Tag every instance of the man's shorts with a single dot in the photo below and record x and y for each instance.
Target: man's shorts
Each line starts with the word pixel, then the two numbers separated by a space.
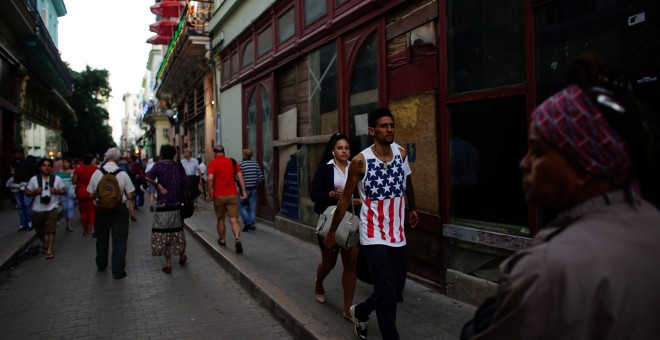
pixel 226 204
pixel 45 222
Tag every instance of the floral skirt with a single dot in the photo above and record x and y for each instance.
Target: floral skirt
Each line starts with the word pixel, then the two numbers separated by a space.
pixel 167 235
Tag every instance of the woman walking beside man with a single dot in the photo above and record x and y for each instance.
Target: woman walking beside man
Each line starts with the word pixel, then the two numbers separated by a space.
pixel 327 188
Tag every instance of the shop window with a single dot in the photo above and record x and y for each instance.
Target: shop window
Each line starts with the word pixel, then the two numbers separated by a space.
pixel 286 25
pixel 192 138
pixel 612 30
pixel 623 34
pixel 265 40
pixel 226 71
pixel 323 120
pixel 267 147
pixel 248 54
pixel 363 95
pixel 322 66
pixel 234 63
pixel 485 44
pixel 38 140
pixel 201 137
pixel 314 9
pixel 488 140
pixel 260 123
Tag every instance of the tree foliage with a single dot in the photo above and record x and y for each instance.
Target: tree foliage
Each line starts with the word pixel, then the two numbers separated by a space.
pixel 91 133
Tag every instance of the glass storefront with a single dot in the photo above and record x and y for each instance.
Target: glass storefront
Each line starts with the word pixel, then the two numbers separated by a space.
pixel 488 140
pixel 485 44
pixel 40 141
pixel 363 96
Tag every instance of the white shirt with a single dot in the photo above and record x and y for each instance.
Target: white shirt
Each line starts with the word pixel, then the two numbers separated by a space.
pixel 339 176
pixel 54 198
pixel 191 166
pixel 122 177
pixel 202 170
pixel 150 164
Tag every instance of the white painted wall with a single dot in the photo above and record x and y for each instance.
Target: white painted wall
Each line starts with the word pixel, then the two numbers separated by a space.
pixel 231 132
pixel 231 18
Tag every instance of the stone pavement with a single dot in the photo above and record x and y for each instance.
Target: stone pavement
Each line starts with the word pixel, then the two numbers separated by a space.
pixel 12 242
pixel 67 298
pixel 278 271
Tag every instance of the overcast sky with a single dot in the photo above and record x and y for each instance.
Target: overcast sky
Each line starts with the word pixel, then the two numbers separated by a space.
pixel 108 35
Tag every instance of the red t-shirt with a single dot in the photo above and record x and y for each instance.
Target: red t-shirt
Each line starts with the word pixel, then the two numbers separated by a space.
pixel 223 176
pixel 83 175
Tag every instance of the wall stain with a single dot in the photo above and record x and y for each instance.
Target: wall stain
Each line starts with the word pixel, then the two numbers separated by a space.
pixel 406 111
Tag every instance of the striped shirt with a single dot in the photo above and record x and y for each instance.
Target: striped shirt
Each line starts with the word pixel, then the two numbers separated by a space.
pixel 383 205
pixel 252 174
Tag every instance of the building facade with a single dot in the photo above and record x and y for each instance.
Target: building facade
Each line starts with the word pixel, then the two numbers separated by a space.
pixel 33 79
pixel 460 77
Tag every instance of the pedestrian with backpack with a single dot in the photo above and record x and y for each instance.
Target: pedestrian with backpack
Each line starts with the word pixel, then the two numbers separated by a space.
pixel 46 189
pixel 111 188
pixel 221 190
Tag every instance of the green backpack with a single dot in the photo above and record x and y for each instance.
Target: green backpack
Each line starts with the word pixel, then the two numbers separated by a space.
pixel 108 193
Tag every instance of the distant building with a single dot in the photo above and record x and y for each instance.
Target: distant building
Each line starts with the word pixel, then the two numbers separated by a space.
pixel 281 76
pixel 34 81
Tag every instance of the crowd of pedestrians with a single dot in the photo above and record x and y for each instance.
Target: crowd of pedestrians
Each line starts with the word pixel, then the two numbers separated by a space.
pixel 587 145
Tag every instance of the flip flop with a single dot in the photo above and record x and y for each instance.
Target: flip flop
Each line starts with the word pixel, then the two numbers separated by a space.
pixel 50 256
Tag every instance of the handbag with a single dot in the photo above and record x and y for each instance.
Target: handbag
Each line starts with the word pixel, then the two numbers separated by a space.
pixel 187 202
pixel 347 234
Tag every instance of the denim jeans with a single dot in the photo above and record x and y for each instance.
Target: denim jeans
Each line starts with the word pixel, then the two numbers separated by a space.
pixel 24 203
pixel 67 205
pixel 248 211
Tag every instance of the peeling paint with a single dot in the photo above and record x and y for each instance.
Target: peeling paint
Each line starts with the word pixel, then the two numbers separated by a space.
pixel 405 111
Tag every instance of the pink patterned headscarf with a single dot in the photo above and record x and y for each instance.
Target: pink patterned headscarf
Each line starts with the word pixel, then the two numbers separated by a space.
pixel 571 122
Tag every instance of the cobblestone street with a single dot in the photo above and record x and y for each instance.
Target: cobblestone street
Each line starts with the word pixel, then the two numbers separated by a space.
pixel 67 297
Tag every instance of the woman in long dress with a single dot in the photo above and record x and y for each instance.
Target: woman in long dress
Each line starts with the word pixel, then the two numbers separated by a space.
pixel 167 235
pixel 81 176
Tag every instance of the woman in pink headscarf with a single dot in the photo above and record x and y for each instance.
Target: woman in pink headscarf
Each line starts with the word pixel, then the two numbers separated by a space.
pixel 592 273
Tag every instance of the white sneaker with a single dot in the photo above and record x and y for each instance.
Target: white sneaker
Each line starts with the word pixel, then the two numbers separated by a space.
pixel 360 327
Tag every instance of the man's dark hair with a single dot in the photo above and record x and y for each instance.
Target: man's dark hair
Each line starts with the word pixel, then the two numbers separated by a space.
pixel 43 160
pixel 377 114
pixel 87 159
pixel 167 151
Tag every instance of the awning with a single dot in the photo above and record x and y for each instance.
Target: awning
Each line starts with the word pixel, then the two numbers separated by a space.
pixel 164 28
pixel 159 40
pixel 168 8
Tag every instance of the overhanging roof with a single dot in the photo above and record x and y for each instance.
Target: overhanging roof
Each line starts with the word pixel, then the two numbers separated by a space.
pixel 187 62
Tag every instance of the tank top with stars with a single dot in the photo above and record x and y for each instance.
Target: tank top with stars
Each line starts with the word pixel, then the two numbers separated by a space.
pixel 382 192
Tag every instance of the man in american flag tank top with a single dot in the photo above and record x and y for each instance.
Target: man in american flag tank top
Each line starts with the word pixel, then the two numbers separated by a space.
pixel 381 174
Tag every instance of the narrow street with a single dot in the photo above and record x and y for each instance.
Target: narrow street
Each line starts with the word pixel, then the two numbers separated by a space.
pixel 67 298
